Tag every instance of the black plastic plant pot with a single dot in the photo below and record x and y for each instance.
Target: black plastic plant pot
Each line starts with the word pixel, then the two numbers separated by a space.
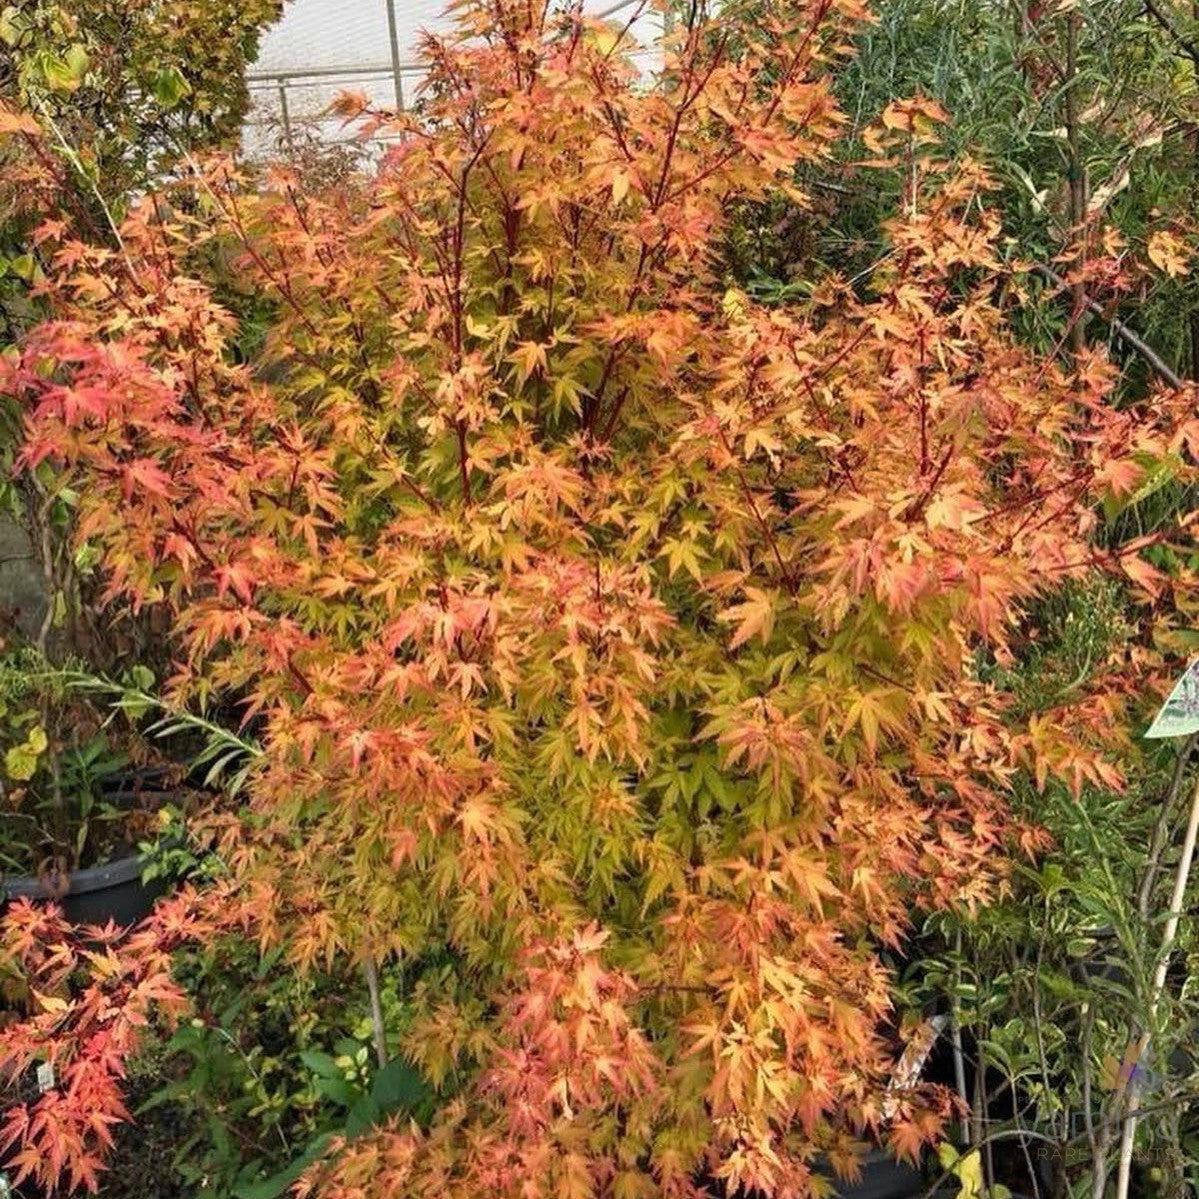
pixel 96 895
pixel 113 891
pixel 883 1178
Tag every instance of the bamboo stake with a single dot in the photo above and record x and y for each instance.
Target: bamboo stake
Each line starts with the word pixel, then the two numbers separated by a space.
pixel 1128 1136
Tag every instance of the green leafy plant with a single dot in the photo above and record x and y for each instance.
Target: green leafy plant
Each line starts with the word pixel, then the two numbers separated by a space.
pixel 124 90
pixel 61 758
pixel 1053 987
pixel 270 1070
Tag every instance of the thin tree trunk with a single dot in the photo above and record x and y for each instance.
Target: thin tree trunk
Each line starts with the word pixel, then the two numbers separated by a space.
pixel 371 970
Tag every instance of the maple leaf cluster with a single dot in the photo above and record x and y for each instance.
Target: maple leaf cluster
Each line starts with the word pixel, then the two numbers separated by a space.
pixel 618 644
pixel 91 992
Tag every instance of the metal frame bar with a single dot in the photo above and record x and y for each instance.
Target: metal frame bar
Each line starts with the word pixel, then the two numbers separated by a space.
pixel 397 70
pixel 272 77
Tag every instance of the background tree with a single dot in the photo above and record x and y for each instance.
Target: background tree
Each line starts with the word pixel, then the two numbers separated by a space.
pixel 1085 112
pixel 127 88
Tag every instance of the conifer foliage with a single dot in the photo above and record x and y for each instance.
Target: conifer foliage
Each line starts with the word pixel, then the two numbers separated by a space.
pixel 623 651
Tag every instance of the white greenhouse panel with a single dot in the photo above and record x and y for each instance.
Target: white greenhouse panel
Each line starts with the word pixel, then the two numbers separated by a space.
pixel 322 47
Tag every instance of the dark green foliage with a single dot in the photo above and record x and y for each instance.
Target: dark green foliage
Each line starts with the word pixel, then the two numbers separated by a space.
pixel 270 1069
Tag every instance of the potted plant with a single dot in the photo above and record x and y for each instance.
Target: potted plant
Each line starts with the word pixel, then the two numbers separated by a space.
pixel 882 1177
pixel 80 789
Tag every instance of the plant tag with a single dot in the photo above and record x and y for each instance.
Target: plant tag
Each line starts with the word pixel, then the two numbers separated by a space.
pixel 45 1077
pixel 1179 716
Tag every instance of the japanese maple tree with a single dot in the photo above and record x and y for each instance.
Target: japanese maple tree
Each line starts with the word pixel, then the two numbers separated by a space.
pixel 621 649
